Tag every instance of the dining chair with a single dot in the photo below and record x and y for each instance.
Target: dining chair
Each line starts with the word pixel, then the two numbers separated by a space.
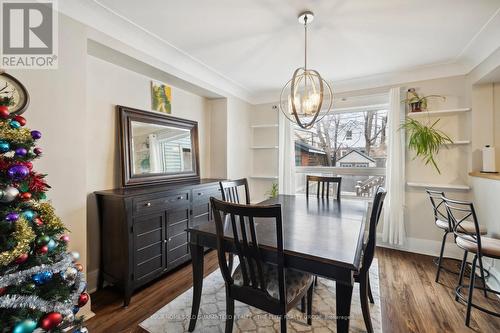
pixel 321 181
pixel 460 213
pixel 275 289
pixel 442 222
pixel 363 276
pixel 230 193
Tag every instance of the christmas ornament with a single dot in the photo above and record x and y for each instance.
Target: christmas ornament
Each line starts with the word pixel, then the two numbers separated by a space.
pixel 37 151
pixel 12 216
pixel 18 172
pixel 51 320
pixel 26 326
pixel 69 274
pixel 79 267
pixel 38 221
pixel 21 259
pixel 42 277
pixel 14 124
pixel 75 255
pixel 23 236
pixel 21 152
pixel 29 215
pixel 43 250
pixel 83 299
pixel 29 165
pixel 4 146
pixel 29 288
pixel 65 238
pixel 8 194
pixel 51 245
pixel 36 134
pixel 42 240
pixel 4 112
pixel 76 308
pixel 25 196
pixel 3 290
pixel 20 119
pixel 82 330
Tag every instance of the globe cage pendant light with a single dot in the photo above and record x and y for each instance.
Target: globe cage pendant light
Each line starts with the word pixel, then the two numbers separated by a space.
pixel 302 97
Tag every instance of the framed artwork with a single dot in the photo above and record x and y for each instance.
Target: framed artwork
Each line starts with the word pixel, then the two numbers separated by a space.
pixel 161 97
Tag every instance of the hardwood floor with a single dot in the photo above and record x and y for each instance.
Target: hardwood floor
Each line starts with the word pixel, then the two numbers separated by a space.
pixel 411 300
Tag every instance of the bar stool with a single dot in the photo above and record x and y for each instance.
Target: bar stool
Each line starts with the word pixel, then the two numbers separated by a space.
pixel 474 243
pixel 442 222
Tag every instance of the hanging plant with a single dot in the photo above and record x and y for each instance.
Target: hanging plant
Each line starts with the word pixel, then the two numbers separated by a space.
pixel 425 140
pixel 417 103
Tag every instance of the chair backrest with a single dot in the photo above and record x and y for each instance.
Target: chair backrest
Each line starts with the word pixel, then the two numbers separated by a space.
pixel 321 181
pixel 436 198
pixel 460 212
pixel 369 250
pixel 230 191
pixel 239 220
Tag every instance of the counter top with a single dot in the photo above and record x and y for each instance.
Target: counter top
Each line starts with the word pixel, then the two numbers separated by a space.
pixel 493 176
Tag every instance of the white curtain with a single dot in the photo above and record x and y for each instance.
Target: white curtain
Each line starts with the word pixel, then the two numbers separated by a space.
pixel 154 154
pixel 286 168
pixel 394 226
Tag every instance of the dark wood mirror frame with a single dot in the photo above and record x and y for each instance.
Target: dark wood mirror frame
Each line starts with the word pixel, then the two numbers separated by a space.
pixel 127 115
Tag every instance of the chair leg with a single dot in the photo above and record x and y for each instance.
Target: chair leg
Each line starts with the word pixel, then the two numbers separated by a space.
pixel 229 314
pixel 370 295
pixel 310 304
pixel 230 262
pixel 441 256
pixel 365 307
pixel 482 275
pixel 282 324
pixel 471 290
pixel 462 271
pixel 315 280
pixel 303 305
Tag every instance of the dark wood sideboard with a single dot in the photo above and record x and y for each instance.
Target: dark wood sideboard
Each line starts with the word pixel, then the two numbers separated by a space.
pixel 143 230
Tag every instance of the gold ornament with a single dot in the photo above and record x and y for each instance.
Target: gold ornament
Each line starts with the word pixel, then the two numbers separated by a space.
pixel 15 135
pixel 23 235
pixel 50 220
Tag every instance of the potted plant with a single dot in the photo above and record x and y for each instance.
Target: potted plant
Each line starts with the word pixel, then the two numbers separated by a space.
pixel 425 140
pixel 417 103
pixel 273 192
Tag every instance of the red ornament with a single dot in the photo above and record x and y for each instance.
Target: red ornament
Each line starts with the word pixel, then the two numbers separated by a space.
pixel 25 196
pixel 79 267
pixel 22 258
pixel 43 249
pixel 51 320
pixel 83 299
pixel 38 221
pixel 4 112
pixel 29 165
pixel 3 290
pixel 21 120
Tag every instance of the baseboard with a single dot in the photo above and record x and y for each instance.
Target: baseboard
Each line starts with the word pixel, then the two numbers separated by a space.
pixel 92 281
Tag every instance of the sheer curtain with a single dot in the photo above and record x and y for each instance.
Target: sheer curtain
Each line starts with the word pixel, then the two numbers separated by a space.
pixel 286 160
pixel 394 227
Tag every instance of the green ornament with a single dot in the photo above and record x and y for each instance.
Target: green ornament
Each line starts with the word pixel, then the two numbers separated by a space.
pixel 43 240
pixel 25 326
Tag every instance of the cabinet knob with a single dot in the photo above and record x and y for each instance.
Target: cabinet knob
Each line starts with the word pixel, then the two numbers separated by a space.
pixel 179 198
pixel 200 193
pixel 148 204
pixel 170 239
pixel 165 241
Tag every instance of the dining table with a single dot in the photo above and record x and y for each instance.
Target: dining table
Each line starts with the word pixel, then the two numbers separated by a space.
pixel 321 236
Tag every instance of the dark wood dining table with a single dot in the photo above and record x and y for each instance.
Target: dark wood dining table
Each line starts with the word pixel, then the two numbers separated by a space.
pixel 321 236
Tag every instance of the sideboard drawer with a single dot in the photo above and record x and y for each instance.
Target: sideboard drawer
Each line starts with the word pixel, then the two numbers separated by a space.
pixel 147 205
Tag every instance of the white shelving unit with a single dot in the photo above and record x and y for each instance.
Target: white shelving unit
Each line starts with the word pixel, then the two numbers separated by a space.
pixel 459 143
pixel 457 187
pixel 264 126
pixel 437 113
pixel 264 147
pixel 264 177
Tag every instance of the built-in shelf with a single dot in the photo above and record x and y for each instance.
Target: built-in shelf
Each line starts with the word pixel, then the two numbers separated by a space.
pixel 493 176
pixel 457 187
pixel 458 142
pixel 264 147
pixel 437 113
pixel 264 177
pixel 264 126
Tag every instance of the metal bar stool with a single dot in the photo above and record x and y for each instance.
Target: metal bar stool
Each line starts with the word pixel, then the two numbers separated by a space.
pixel 458 213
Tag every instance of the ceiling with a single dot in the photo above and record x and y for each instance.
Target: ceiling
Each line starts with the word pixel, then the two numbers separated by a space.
pixel 257 44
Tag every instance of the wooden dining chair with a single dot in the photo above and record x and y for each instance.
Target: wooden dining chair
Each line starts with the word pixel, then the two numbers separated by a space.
pixel 321 181
pixel 462 213
pixel 268 287
pixel 363 276
pixel 230 190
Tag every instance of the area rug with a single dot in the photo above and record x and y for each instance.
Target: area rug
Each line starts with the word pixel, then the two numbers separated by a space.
pixel 174 317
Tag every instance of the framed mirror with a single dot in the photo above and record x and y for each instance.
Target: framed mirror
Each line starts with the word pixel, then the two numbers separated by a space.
pixel 157 148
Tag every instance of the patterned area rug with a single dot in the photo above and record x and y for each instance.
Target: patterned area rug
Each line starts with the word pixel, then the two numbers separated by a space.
pixel 174 317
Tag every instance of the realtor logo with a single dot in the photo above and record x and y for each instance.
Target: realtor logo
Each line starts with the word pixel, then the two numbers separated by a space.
pixel 29 34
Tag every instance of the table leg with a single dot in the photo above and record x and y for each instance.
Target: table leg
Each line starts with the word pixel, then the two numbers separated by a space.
pixel 343 300
pixel 197 263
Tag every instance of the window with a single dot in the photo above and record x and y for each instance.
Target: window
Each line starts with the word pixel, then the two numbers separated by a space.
pixel 352 145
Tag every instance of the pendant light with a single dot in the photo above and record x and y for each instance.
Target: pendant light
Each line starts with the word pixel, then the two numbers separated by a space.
pixel 302 97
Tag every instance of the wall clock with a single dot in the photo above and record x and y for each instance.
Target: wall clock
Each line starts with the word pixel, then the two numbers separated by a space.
pixel 11 87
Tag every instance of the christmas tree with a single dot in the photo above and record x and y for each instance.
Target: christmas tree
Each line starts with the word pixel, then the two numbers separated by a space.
pixel 41 284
